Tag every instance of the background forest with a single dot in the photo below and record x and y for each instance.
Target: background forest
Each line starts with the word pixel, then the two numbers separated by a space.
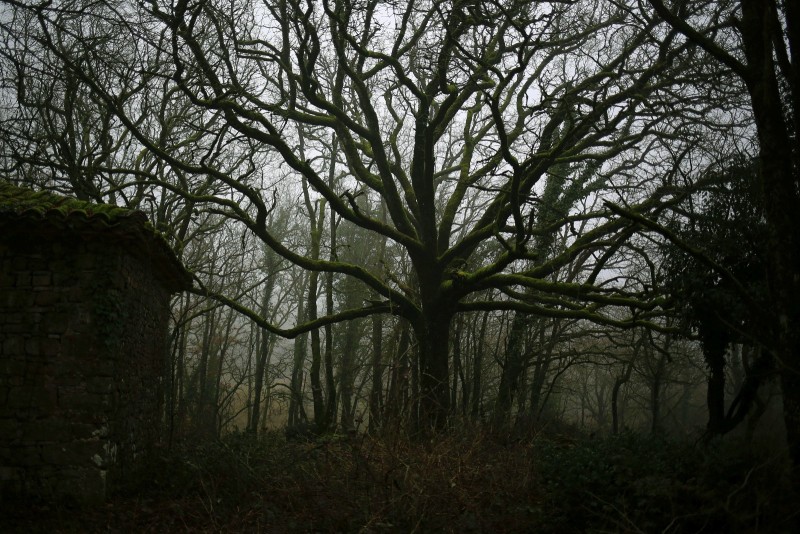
pixel 454 218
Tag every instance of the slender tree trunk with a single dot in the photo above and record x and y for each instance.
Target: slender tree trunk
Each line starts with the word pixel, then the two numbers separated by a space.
pixel 462 365
pixel 180 379
pixel 264 343
pixel 457 370
pixel 415 394
pixel 296 409
pixel 396 406
pixel 655 395
pixel 619 381
pixel 176 370
pixel 330 380
pixel 219 365
pixel 203 420
pixel 477 368
pixel 541 368
pixel 253 342
pixel 258 383
pixel 513 367
pixel 376 393
pixel 715 395
pixel 320 412
pixel 347 374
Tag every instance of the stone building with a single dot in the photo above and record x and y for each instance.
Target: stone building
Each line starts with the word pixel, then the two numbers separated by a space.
pixel 84 310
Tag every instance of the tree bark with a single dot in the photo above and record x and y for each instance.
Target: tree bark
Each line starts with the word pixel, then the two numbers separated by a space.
pixel 433 336
pixel 296 409
pixel 619 381
pixel 376 393
pixel 477 369
pixel 513 367
pixel 782 199
pixel 264 344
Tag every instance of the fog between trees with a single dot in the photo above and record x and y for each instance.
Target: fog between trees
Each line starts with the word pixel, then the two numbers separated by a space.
pixel 405 215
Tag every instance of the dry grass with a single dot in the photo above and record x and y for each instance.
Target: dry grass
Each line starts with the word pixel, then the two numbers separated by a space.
pixel 467 482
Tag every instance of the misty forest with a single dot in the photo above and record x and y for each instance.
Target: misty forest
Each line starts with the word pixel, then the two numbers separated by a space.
pixel 458 265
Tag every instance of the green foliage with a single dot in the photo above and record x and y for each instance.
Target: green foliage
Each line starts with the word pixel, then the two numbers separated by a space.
pixel 725 223
pixel 630 483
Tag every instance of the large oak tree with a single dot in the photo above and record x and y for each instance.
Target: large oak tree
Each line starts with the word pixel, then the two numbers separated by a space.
pixel 478 128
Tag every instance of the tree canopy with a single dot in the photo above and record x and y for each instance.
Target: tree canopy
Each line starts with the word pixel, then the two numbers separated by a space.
pixel 491 156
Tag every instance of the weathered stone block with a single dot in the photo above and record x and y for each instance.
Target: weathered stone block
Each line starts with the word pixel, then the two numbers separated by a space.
pixel 78 399
pixel 32 346
pixel 12 366
pixel 41 278
pixel 47 297
pixel 10 430
pixel 14 328
pixel 10 473
pixel 55 322
pixel 76 294
pixel 12 317
pixel 41 430
pixel 6 278
pixel 19 262
pixel 76 453
pixel 37 262
pixel 85 261
pixel 18 299
pixel 26 455
pixel 65 278
pixel 99 384
pixel 49 346
pixel 83 485
pixel 14 346
pixel 44 398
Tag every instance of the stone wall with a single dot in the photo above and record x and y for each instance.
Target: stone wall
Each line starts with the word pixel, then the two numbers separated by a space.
pixel 82 345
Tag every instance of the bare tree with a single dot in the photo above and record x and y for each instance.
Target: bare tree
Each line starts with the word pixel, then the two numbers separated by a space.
pixel 454 114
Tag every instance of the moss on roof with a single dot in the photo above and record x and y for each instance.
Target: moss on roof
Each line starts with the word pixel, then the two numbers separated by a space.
pixel 21 207
pixel 21 201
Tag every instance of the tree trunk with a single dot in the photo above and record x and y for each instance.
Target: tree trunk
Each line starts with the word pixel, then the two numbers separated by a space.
pixel 296 409
pixel 330 380
pixel 347 374
pixel 540 369
pixel 174 395
pixel 655 394
pixel 376 393
pixel 433 337
pixel 204 411
pixel 262 350
pixel 513 367
pixel 477 369
pixel 396 406
pixel 266 344
pixel 618 383
pixel 779 180
pixel 320 412
pixel 457 369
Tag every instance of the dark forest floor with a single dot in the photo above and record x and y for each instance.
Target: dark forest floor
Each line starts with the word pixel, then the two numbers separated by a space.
pixel 468 484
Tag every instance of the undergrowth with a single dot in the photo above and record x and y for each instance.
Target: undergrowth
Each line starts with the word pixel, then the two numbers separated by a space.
pixel 465 482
